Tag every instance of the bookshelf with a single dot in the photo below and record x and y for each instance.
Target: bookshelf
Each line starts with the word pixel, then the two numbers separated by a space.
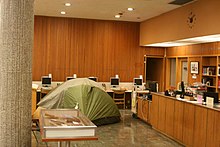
pixel 218 75
pixel 209 72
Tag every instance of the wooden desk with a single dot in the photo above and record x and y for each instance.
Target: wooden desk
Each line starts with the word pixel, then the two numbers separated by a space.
pixel 37 94
pixel 45 91
pixel 127 98
pixel 143 106
pixel 142 92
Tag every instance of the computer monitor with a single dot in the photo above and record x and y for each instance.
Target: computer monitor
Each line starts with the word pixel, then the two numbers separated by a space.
pixel 114 82
pixel 152 86
pixel 69 78
pixel 46 81
pixel 138 82
pixel 94 79
pixel 182 89
pixel 210 94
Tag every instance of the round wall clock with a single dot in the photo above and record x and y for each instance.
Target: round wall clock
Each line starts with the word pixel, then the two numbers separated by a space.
pixel 191 20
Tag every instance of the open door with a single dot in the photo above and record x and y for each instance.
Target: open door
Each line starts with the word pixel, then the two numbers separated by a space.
pixel 154 70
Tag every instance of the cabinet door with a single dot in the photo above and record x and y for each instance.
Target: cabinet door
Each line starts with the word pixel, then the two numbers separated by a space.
pixel 213 129
pixel 161 113
pixel 178 120
pixel 143 109
pixel 139 108
pixel 169 117
pixel 199 139
pixel 149 112
pixel 154 111
pixel 188 124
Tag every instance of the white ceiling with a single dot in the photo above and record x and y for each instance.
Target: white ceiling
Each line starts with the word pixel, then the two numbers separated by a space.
pixel 104 9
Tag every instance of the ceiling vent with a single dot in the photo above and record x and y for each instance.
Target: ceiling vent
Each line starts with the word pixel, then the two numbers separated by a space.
pixel 180 2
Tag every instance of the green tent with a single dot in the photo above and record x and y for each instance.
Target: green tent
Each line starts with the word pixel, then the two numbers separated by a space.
pixel 85 95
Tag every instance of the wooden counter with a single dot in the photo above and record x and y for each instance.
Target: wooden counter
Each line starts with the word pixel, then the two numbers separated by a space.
pixel 189 123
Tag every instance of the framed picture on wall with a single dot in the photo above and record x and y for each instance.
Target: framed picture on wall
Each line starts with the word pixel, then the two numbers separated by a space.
pixel 194 66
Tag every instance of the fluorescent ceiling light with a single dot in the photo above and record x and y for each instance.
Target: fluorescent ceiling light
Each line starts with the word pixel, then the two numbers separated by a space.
pixel 67 4
pixel 203 39
pixel 188 41
pixel 63 12
pixel 166 44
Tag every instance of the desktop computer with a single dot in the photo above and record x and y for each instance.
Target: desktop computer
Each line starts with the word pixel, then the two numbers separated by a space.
pixel 152 86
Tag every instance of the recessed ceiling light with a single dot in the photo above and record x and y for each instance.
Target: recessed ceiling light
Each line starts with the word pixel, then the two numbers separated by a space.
pixel 130 9
pixel 117 16
pixel 67 4
pixel 63 12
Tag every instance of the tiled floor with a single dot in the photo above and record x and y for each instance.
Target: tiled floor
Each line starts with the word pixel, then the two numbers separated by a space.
pixel 130 132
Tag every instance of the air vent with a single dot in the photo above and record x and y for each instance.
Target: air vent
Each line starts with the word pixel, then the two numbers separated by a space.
pixel 180 2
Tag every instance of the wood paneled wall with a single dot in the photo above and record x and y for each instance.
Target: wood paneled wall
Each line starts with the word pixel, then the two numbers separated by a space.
pixel 64 46
pixel 202 49
pixel 191 53
pixel 176 26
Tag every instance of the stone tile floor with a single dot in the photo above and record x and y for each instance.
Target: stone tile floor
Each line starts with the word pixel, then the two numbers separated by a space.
pixel 130 132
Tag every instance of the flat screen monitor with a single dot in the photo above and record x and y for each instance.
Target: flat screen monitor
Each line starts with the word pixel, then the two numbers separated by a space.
pixel 152 86
pixel 210 94
pixel 94 79
pixel 46 81
pixel 114 81
pixel 138 82
pixel 69 78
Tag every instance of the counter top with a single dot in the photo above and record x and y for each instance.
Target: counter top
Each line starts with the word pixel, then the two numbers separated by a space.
pixel 109 90
pixel 214 107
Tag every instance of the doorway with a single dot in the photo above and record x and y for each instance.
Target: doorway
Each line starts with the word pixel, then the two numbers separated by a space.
pixel 184 70
pixel 154 71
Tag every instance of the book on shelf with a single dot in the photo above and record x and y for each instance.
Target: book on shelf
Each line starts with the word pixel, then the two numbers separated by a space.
pixel 219 83
pixel 212 70
pixel 209 81
pixel 209 70
pixel 218 70
pixel 204 71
